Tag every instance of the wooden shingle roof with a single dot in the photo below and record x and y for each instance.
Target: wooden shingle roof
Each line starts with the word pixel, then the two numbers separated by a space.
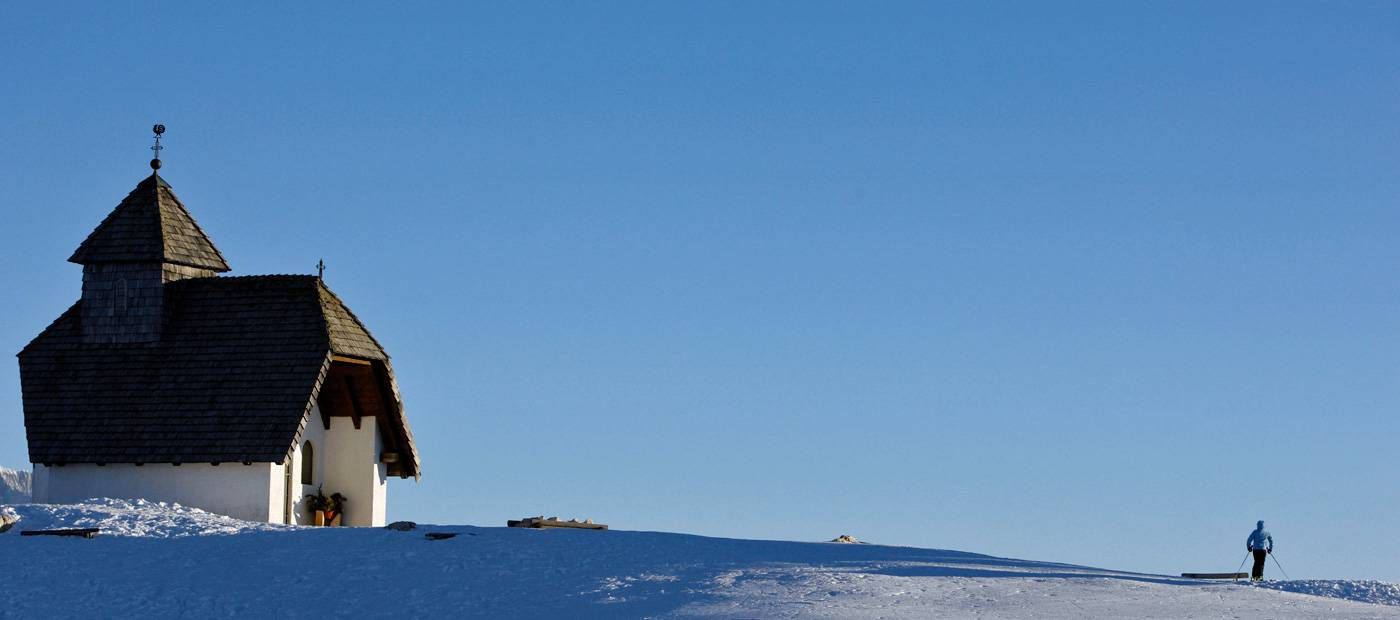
pixel 150 225
pixel 238 366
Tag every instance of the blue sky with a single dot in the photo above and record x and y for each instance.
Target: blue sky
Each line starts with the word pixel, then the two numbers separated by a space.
pixel 1099 284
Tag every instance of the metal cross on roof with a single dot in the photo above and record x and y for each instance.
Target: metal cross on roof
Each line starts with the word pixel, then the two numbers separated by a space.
pixel 320 268
pixel 155 161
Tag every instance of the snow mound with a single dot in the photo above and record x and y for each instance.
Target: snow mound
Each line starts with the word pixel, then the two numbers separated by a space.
pixel 135 517
pixel 15 486
pixel 1377 592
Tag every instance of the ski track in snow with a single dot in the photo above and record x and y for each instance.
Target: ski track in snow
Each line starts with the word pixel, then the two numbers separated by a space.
pixel 159 560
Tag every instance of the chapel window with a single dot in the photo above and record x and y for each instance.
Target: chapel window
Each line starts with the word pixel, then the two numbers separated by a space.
pixel 308 463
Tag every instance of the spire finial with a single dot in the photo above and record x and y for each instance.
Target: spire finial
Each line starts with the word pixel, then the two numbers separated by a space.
pixel 155 161
pixel 320 269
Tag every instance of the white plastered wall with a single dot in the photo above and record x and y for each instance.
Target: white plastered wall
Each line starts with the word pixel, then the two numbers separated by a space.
pixel 352 468
pixel 315 434
pixel 346 461
pixel 232 489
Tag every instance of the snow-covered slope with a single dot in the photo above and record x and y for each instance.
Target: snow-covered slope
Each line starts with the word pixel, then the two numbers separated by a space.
pixel 168 561
pixel 14 486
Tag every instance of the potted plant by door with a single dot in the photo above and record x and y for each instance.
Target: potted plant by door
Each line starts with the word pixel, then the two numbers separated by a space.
pixel 325 509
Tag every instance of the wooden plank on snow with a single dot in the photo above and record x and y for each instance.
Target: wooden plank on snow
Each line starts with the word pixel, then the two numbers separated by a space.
pixel 541 522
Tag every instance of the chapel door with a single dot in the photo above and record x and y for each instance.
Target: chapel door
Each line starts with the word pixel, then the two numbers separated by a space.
pixel 287 492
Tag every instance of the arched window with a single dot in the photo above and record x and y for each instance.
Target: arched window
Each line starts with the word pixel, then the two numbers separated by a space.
pixel 308 463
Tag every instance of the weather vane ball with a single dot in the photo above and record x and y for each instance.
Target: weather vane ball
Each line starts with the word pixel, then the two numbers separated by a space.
pixel 159 129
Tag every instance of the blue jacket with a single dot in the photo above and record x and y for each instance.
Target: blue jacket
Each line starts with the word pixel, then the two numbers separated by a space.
pixel 1260 539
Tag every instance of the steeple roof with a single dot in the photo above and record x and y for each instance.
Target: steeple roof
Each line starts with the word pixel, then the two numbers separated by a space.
pixel 150 225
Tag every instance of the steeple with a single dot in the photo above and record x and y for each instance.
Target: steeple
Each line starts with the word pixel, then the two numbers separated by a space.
pixel 151 225
pixel 148 240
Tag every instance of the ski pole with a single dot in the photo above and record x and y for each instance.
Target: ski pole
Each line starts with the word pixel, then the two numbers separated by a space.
pixel 1246 559
pixel 1280 567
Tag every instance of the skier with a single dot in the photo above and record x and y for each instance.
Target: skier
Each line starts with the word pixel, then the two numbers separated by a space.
pixel 1261 544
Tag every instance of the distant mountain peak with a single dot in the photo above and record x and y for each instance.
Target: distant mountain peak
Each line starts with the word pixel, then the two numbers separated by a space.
pixel 16 487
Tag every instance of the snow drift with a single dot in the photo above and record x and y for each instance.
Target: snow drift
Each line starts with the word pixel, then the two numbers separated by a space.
pixel 164 560
pixel 1366 591
pixel 15 486
pixel 135 518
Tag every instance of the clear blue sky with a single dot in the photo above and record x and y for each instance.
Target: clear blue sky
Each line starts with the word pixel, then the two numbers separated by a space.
pixel 1101 284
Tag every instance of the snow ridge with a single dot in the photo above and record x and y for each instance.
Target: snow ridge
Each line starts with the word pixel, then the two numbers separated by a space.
pixel 1378 592
pixel 15 486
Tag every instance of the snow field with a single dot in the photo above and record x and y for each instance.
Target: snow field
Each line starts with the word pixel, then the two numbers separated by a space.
pixel 165 561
